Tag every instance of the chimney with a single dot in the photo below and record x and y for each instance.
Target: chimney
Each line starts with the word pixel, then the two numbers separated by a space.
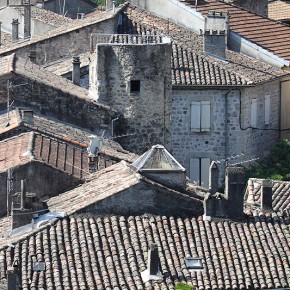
pixel 266 194
pixel 234 191
pixel 213 177
pixel 13 279
pixel 76 72
pixel 27 18
pixel 39 3
pixel 109 4
pixel 23 194
pixel 32 56
pixel 15 36
pixel 152 272
pixel 0 33
pixel 215 35
pixel 27 116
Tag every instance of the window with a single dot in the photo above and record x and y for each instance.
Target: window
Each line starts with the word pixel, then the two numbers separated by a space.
pixel 254 107
pixel 135 86
pixel 199 171
pixel 267 104
pixel 200 116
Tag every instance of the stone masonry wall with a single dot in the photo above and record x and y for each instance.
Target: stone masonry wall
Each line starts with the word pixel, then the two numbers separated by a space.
pixel 252 142
pixel 63 106
pixel 63 45
pixel 144 113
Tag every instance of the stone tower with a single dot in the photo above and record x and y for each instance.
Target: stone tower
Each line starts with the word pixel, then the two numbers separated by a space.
pixel 132 74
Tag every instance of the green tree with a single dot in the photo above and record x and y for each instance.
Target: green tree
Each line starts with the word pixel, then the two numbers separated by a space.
pixel 183 286
pixel 276 165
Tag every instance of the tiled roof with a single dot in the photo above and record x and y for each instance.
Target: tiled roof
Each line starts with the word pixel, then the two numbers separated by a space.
pixel 63 29
pixel 15 151
pixel 104 184
pixel 271 35
pixel 110 252
pixel 30 146
pixel 61 131
pixel 189 65
pixel 280 198
pixel 279 10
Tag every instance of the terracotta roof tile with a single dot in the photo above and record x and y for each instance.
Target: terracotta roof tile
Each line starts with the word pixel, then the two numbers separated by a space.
pixel 190 66
pixel 99 252
pixel 279 10
pixel 248 24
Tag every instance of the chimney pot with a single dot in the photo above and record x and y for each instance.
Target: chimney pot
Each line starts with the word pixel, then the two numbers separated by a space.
pixel 153 260
pixel 27 18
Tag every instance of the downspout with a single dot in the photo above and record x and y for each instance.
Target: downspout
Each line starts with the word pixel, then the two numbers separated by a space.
pixel 112 126
pixel 164 110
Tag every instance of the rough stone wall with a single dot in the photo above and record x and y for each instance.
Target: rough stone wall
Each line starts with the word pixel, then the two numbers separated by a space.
pixel 64 45
pixel 71 8
pixel 252 142
pixel 146 113
pixel 257 6
pixel 40 179
pixel 145 198
pixel 63 106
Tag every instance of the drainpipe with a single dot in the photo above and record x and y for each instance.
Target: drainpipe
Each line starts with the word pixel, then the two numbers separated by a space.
pixel 112 129
pixel 280 129
pixel 226 124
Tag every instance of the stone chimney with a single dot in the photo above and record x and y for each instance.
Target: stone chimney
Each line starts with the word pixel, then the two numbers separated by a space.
pixel 215 35
pixel 13 276
pixel 231 203
pixel 213 177
pixel 266 194
pixel 27 116
pixel 152 271
pixel 15 35
pixel 27 18
pixel 39 3
pixel 76 72
pixel 23 194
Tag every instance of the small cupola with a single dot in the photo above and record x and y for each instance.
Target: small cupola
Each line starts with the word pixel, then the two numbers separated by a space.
pixel 159 165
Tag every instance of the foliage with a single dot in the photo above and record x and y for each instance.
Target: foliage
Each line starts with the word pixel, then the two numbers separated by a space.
pixel 183 286
pixel 276 165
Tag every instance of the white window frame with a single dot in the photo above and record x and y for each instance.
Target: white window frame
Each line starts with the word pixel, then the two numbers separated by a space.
pixel 200 116
pixel 267 109
pixel 199 171
pixel 254 111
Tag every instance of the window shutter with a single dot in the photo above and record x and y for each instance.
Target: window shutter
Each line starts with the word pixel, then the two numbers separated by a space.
pixel 204 172
pixel 254 106
pixel 194 170
pixel 205 116
pixel 195 117
pixel 267 109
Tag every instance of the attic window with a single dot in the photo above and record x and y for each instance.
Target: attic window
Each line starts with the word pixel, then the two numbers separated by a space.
pixel 135 86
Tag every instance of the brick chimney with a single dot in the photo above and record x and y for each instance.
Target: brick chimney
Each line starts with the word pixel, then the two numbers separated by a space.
pixel 266 194
pixel 15 35
pixel 215 35
pixel 76 72
pixel 27 18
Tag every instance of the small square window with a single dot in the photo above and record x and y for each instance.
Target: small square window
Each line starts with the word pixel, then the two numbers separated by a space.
pixel 135 86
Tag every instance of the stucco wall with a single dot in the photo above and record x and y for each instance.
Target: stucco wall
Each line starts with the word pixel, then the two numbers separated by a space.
pixel 40 179
pixel 144 198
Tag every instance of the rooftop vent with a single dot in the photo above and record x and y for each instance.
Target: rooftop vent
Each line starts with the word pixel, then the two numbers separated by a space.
pixel 193 264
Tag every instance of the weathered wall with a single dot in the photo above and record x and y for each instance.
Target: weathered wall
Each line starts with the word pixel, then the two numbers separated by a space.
pixel 51 101
pixel 64 45
pixel 226 138
pixel 149 199
pixel 257 6
pixel 40 179
pixel 146 113
pixel 70 8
